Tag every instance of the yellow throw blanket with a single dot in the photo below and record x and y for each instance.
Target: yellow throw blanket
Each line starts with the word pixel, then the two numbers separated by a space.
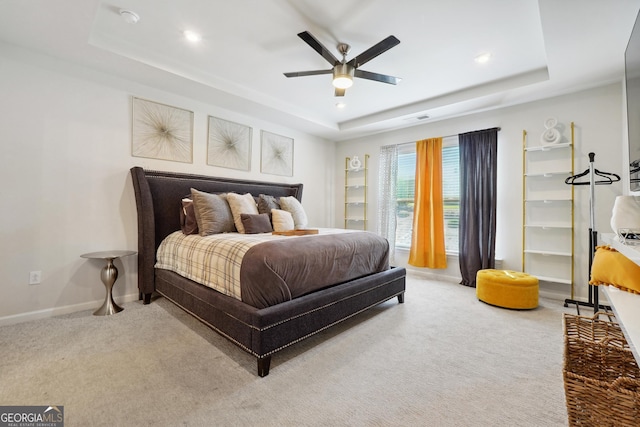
pixel 610 267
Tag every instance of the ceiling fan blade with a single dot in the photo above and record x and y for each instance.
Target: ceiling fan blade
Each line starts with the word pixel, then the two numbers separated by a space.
pixel 307 73
pixel 318 47
pixel 339 92
pixel 374 51
pixel 377 77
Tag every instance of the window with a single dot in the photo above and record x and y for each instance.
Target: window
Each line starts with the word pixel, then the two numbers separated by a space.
pixel 450 190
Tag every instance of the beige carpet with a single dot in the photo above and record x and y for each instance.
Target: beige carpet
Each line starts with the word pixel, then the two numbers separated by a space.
pixel 441 359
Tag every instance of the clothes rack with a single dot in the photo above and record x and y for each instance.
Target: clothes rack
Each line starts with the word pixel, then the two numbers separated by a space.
pixel 603 178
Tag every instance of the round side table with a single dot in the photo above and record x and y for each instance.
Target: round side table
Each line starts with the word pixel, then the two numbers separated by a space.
pixel 109 275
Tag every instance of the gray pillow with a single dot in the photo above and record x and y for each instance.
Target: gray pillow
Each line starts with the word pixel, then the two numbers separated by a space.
pixel 266 203
pixel 213 214
pixel 256 223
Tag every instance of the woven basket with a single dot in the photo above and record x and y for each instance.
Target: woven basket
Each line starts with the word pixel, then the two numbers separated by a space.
pixel 601 375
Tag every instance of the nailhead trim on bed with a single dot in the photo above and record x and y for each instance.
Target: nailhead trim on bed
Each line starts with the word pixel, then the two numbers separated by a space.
pixel 248 350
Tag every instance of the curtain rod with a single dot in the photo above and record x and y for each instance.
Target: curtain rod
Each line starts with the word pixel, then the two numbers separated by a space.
pixel 451 136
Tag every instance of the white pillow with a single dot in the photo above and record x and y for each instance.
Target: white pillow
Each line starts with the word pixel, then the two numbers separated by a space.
pixel 281 220
pixel 241 204
pixel 294 207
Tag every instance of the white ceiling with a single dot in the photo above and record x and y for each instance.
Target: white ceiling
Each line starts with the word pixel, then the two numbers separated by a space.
pixel 539 49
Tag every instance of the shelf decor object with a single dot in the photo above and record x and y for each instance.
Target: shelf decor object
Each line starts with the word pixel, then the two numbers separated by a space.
pixel 355 192
pixel 355 163
pixel 229 144
pixel 548 210
pixel 276 154
pixel 161 131
pixel 551 135
pixel 629 236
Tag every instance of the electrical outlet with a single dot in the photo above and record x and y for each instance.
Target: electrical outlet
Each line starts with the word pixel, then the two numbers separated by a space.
pixel 35 277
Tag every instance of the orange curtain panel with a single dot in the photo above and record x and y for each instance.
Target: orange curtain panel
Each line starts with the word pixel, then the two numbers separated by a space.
pixel 427 239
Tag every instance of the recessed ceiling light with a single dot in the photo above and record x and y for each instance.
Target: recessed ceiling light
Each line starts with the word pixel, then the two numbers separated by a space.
pixel 192 36
pixel 483 58
pixel 341 105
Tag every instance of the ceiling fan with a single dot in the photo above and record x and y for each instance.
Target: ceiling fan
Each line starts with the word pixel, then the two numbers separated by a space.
pixel 343 71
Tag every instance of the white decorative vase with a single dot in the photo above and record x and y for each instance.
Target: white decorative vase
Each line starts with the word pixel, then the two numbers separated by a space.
pixel 355 163
pixel 625 214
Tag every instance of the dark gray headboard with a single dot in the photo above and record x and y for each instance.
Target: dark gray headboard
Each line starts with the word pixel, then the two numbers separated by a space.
pixel 158 201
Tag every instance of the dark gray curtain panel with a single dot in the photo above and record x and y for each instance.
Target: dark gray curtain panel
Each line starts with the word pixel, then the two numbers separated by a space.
pixel 478 186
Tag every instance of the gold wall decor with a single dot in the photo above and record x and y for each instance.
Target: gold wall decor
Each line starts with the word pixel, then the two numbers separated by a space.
pixel 161 131
pixel 276 154
pixel 229 144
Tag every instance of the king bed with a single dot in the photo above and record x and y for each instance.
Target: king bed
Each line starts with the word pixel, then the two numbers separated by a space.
pixel 276 304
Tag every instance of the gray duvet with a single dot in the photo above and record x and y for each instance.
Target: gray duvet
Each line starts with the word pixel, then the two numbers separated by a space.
pixel 277 271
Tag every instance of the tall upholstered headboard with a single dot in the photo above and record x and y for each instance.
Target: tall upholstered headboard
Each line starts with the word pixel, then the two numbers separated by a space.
pixel 158 201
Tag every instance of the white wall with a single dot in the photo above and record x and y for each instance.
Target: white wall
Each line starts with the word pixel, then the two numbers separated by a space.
pixel 66 188
pixel 597 114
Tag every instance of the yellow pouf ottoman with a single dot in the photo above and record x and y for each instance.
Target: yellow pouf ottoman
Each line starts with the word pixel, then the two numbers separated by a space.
pixel 508 289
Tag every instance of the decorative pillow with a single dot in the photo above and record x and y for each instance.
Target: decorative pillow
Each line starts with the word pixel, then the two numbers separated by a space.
pixel 212 213
pixel 294 207
pixel 282 220
pixel 254 224
pixel 188 222
pixel 241 204
pixel 610 267
pixel 266 203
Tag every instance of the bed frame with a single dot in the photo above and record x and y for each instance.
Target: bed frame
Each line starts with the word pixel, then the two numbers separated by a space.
pixel 261 332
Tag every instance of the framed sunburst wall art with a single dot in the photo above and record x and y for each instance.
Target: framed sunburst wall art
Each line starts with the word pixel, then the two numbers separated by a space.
pixel 161 131
pixel 276 154
pixel 229 144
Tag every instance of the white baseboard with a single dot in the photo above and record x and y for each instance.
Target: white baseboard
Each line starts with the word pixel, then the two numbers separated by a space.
pixel 449 275
pixel 58 311
pixel 552 295
pixel 432 275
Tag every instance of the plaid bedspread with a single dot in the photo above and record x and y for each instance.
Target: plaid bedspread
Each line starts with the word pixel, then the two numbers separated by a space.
pixel 264 269
pixel 212 261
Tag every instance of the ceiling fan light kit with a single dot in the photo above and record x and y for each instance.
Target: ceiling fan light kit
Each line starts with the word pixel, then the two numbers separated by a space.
pixel 343 71
pixel 343 76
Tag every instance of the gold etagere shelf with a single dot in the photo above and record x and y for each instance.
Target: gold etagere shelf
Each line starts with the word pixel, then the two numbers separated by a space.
pixel 355 192
pixel 548 211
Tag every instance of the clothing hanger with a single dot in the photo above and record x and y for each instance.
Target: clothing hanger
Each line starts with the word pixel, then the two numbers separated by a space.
pixel 608 177
pixel 572 178
pixel 613 177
